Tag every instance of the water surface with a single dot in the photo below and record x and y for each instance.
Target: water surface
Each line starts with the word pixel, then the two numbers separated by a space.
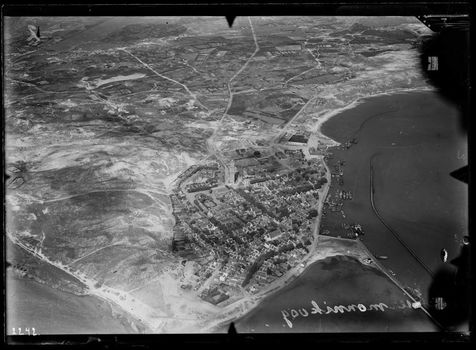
pixel 415 141
pixel 50 311
pixel 331 282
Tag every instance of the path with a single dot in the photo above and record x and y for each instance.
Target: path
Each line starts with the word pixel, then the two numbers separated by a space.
pixel 93 252
pixel 165 77
pixel 285 126
pixel 230 93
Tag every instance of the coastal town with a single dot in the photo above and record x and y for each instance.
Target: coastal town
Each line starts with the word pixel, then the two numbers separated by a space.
pixel 247 220
pixel 176 168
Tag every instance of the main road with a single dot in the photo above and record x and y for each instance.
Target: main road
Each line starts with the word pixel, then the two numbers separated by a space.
pixel 211 139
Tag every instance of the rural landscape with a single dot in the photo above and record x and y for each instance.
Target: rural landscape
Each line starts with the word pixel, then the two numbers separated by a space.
pixel 173 173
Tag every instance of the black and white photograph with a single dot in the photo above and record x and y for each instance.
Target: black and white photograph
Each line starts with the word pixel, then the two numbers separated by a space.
pixel 273 174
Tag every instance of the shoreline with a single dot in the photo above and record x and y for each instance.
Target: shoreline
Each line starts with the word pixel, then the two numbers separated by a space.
pixel 17 284
pixel 328 114
pixel 248 304
pixel 357 253
pixel 291 275
pixel 312 257
pixel 252 304
pixel 117 299
pixel 403 281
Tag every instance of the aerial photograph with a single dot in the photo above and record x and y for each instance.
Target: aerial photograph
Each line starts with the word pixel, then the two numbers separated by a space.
pixel 181 175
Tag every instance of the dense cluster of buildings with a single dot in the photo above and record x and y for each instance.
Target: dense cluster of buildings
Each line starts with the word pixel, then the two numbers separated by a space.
pixel 253 229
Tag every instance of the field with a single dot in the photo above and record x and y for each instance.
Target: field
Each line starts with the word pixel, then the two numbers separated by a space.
pixel 103 114
pixel 274 106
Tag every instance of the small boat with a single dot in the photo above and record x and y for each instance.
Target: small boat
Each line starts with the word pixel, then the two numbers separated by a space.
pixel 416 305
pixel 466 240
pixel 382 257
pixel 444 255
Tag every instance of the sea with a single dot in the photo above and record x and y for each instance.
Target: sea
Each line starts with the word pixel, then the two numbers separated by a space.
pixel 415 140
pixel 341 282
pixel 32 305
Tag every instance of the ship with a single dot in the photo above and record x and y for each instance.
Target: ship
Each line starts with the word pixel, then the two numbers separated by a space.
pixel 357 229
pixel 444 255
pixel 382 257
